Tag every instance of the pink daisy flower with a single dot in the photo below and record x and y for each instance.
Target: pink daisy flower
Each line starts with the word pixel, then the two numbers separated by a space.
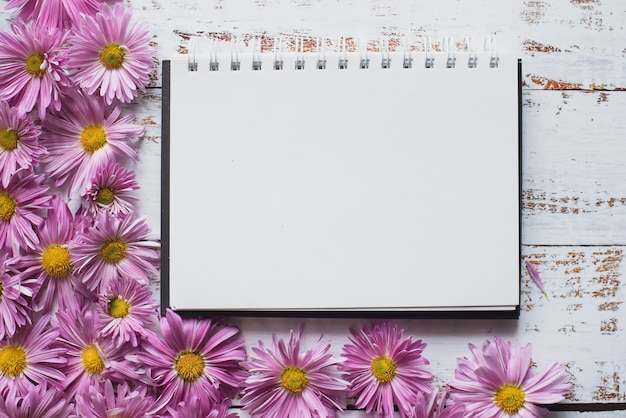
pixel 111 190
pixel 285 382
pixel 50 262
pixel 434 405
pixel 126 309
pixel 28 359
pixel 33 67
pixel 38 402
pixel 19 147
pixel 21 203
pixel 199 408
pixel 498 382
pixel 91 358
pixel 84 137
pixel 194 358
pixel 55 13
pixel 118 401
pixel 112 248
pixel 14 297
pixel 111 54
pixel 384 369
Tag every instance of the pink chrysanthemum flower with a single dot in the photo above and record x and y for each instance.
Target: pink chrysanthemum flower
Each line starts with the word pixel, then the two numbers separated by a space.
pixel 39 402
pixel 384 369
pixel 126 310
pixel 118 401
pixel 198 358
pixel 112 248
pixel 111 190
pixel 91 358
pixel 55 13
pixel 14 298
pixel 200 408
pixel 50 262
pixel 112 54
pixel 21 204
pixel 28 359
pixel 19 143
pixel 84 137
pixel 498 382
pixel 285 382
pixel 33 67
pixel 434 405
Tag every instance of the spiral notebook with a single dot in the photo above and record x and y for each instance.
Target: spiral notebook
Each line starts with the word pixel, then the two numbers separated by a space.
pixel 341 183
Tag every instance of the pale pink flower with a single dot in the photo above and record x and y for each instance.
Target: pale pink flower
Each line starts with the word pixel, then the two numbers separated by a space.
pixel 40 401
pixel 111 55
pixel 111 190
pixel 112 401
pixel 33 70
pixel 15 296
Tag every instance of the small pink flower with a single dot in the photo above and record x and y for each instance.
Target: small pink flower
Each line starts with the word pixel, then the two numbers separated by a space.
pixel 111 55
pixel 33 70
pixel 287 382
pixel 499 382
pixel 19 143
pixel 111 190
pixel 384 369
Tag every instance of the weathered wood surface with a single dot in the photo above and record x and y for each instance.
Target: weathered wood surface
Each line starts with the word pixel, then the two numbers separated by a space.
pixel 574 195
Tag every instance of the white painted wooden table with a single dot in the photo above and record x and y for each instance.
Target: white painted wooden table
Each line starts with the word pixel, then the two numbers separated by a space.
pixel 574 168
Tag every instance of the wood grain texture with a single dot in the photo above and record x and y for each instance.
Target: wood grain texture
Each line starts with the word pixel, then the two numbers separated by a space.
pixel 574 196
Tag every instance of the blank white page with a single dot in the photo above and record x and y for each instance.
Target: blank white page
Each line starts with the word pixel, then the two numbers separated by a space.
pixel 344 189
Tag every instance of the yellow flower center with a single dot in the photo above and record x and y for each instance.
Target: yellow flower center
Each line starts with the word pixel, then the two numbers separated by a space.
pixel 7 207
pixel 189 365
pixel 55 260
pixel 294 379
pixel 92 363
pixel 105 196
pixel 12 360
pixel 119 308
pixel 112 56
pixel 510 398
pixel 33 64
pixel 113 250
pixel 8 139
pixel 92 138
pixel 383 369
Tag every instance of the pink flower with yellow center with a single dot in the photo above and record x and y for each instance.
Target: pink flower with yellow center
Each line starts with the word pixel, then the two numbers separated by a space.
pixel 111 55
pixel 33 70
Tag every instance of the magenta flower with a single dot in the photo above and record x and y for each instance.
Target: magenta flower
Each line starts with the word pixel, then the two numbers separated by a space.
pixel 125 311
pixel 84 137
pixel 55 13
pixel 285 382
pixel 39 402
pixel 434 405
pixel 118 401
pixel 113 248
pixel 50 262
pixel 28 359
pixel 91 358
pixel 200 408
pixel 19 147
pixel 194 358
pixel 111 55
pixel 384 369
pixel 498 382
pixel 33 67
pixel 14 297
pixel 111 190
pixel 21 202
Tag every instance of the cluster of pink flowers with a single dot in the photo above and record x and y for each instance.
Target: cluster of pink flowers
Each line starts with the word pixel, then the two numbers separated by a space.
pixel 80 333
